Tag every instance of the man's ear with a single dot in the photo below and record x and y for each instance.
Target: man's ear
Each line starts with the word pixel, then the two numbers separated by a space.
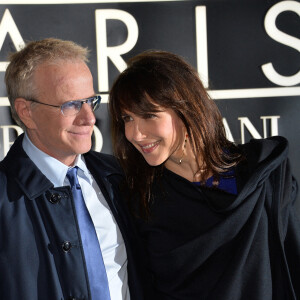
pixel 24 112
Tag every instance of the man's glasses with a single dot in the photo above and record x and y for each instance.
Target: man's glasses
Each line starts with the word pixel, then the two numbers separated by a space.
pixel 71 108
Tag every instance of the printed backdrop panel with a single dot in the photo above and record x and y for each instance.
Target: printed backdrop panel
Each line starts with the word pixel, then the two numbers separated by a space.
pixel 246 52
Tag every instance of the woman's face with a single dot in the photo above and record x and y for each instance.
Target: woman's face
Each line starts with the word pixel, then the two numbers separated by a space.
pixel 157 136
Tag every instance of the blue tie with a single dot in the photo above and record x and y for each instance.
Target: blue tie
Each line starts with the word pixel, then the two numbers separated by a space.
pixel 92 252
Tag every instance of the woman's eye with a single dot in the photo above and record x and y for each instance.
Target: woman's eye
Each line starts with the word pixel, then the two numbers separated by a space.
pixel 149 116
pixel 126 118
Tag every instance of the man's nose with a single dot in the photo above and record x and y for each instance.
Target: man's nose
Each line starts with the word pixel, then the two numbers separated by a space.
pixel 86 115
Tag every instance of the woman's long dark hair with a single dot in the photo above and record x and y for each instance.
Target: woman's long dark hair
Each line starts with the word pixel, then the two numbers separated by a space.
pixel 169 82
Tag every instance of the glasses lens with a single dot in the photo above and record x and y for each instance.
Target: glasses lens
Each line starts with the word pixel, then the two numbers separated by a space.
pixel 96 102
pixel 71 108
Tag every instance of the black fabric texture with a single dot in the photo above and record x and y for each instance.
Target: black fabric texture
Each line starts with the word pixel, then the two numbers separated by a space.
pixel 206 244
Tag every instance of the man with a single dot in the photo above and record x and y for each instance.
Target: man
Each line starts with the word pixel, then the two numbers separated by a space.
pixel 44 248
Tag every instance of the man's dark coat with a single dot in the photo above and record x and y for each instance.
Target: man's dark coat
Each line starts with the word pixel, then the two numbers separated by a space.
pixel 41 256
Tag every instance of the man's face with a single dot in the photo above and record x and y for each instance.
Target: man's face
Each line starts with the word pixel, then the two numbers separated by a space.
pixel 62 137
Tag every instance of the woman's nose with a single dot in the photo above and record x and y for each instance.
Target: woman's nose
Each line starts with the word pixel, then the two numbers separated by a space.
pixel 136 131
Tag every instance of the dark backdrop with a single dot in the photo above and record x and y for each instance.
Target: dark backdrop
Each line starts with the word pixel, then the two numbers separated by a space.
pixel 227 41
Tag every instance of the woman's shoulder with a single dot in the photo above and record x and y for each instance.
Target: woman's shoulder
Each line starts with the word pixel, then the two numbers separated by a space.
pixel 261 156
pixel 260 150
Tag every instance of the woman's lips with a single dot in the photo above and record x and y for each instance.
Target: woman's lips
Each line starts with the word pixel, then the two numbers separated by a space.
pixel 148 148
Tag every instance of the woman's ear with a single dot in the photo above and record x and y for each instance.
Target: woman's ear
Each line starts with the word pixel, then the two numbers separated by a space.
pixel 23 109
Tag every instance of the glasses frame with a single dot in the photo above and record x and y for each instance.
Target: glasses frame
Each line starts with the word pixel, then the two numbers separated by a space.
pixel 92 102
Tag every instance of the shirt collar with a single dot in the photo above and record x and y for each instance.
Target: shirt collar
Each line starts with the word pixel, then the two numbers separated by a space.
pixel 83 170
pixel 52 168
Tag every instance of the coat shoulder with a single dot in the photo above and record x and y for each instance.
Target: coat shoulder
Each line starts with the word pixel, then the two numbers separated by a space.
pixel 106 162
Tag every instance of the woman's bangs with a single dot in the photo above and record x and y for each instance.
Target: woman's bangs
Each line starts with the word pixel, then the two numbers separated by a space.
pixel 139 95
pixel 138 103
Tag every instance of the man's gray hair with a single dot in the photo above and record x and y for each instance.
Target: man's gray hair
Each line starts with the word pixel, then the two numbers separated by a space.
pixel 19 73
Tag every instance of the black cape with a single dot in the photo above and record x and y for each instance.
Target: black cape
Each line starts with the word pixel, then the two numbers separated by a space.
pixel 203 244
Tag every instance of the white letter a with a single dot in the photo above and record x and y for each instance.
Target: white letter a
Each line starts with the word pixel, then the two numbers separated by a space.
pixel 8 25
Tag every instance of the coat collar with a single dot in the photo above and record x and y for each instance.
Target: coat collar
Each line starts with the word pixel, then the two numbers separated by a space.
pixel 103 165
pixel 20 168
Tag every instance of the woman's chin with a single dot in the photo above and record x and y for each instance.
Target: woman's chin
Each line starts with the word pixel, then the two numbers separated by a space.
pixel 154 162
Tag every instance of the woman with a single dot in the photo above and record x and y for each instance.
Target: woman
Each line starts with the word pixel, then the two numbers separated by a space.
pixel 217 220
